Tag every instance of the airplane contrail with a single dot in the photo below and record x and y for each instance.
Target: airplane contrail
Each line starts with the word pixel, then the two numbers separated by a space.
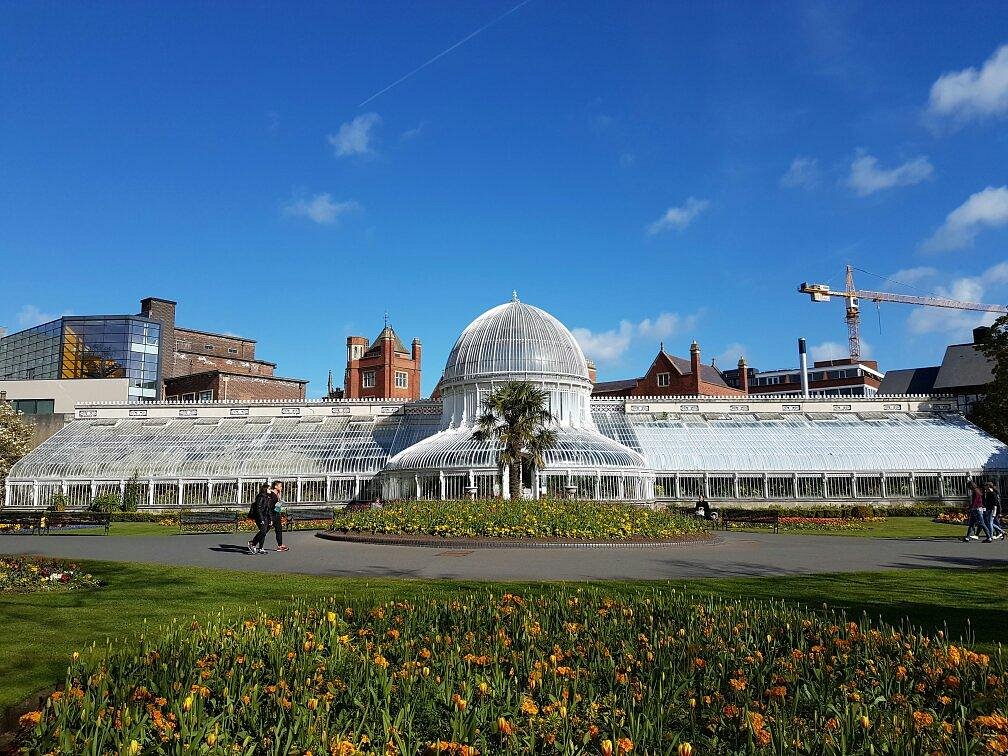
pixel 444 52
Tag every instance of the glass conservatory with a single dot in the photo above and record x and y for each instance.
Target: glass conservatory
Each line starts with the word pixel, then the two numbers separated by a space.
pixel 644 449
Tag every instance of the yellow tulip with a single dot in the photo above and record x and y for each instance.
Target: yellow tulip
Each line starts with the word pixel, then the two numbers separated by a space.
pixel 606 746
pixel 331 617
pixel 187 703
pixel 685 749
pixel 134 748
pixel 211 739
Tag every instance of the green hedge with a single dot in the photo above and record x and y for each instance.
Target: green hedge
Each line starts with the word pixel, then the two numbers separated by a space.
pixel 917 509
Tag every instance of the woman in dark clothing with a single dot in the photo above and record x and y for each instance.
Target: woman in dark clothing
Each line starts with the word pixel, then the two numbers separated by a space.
pixel 263 508
pixel 278 508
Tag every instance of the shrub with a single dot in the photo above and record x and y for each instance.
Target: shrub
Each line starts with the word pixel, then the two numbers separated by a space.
pixel 106 503
pixel 132 493
pixel 59 502
pixel 565 671
pixel 518 519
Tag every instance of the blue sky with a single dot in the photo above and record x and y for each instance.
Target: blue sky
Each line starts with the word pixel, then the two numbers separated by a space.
pixel 644 171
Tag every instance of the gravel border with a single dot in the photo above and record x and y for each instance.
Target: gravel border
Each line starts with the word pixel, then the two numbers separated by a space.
pixel 494 543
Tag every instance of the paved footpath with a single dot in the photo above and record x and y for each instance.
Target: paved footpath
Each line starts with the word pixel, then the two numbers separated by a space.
pixel 735 555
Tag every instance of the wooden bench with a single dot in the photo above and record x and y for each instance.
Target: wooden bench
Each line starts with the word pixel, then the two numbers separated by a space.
pixel 308 514
pixel 78 519
pixel 23 519
pixel 771 519
pixel 220 517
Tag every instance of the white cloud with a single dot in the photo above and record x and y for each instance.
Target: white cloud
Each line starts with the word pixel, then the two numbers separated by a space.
pixel 414 132
pixel 604 346
pixel 728 359
pixel 912 275
pixel 988 208
pixel 867 178
pixel 609 346
pixel 354 137
pixel 829 350
pixel 959 324
pixel 679 217
pixel 803 174
pixel 30 315
pixel 834 350
pixel 321 209
pixel 971 94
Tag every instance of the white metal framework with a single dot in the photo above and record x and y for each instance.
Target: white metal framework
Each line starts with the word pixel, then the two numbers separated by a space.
pixel 640 449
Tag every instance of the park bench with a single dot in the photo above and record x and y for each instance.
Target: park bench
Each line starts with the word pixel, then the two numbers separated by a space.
pixel 308 514
pixel 77 519
pixel 199 519
pixel 23 519
pixel 770 519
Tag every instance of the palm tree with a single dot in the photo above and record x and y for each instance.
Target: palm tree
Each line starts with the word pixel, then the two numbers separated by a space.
pixel 516 416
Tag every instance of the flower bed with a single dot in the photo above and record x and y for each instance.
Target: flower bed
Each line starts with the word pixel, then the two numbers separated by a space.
pixel 957 517
pixel 524 519
pixel 19 574
pixel 570 671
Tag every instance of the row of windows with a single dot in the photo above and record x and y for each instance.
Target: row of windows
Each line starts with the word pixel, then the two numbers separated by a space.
pixel 814 375
pixel 201 396
pixel 368 379
pixel 33 406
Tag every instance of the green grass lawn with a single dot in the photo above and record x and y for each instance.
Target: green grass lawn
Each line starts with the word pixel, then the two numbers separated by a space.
pixel 41 630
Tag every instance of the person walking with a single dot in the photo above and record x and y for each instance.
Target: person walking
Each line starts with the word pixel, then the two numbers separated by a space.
pixel 262 512
pixel 992 502
pixel 278 509
pixel 977 515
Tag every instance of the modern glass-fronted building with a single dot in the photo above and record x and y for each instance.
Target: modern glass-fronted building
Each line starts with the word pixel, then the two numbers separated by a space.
pixel 883 449
pixel 74 347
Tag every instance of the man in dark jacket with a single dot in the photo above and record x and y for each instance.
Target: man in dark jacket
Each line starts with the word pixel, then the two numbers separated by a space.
pixel 992 502
pixel 263 509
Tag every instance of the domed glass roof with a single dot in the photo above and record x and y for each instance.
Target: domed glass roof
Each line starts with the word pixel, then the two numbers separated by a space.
pixel 515 340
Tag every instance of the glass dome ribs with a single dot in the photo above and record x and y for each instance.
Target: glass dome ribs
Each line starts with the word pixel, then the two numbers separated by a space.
pixel 515 340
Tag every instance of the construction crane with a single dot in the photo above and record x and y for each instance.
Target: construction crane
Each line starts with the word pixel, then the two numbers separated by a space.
pixel 853 295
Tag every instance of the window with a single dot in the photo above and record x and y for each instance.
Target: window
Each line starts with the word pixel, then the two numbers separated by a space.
pixel 663 379
pixel 33 406
pixel 401 379
pixel 208 347
pixel 206 396
pixel 367 379
pixel 232 350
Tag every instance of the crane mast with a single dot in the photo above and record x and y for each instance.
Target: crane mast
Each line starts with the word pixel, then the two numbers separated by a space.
pixel 852 296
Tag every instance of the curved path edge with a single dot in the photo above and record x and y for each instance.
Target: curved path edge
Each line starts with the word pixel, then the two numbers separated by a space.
pixel 435 542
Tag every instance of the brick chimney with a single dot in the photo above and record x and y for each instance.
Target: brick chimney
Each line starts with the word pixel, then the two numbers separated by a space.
pixel 743 375
pixel 694 358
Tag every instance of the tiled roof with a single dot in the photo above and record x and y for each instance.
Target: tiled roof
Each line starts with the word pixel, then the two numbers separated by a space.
pixel 386 333
pixel 612 387
pixel 910 381
pixel 964 365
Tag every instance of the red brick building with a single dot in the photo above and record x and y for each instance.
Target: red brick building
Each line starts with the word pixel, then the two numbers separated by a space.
pixel 205 366
pixel 673 376
pixel 383 370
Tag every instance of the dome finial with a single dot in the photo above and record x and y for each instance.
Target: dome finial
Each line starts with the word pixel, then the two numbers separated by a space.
pixel 514 295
